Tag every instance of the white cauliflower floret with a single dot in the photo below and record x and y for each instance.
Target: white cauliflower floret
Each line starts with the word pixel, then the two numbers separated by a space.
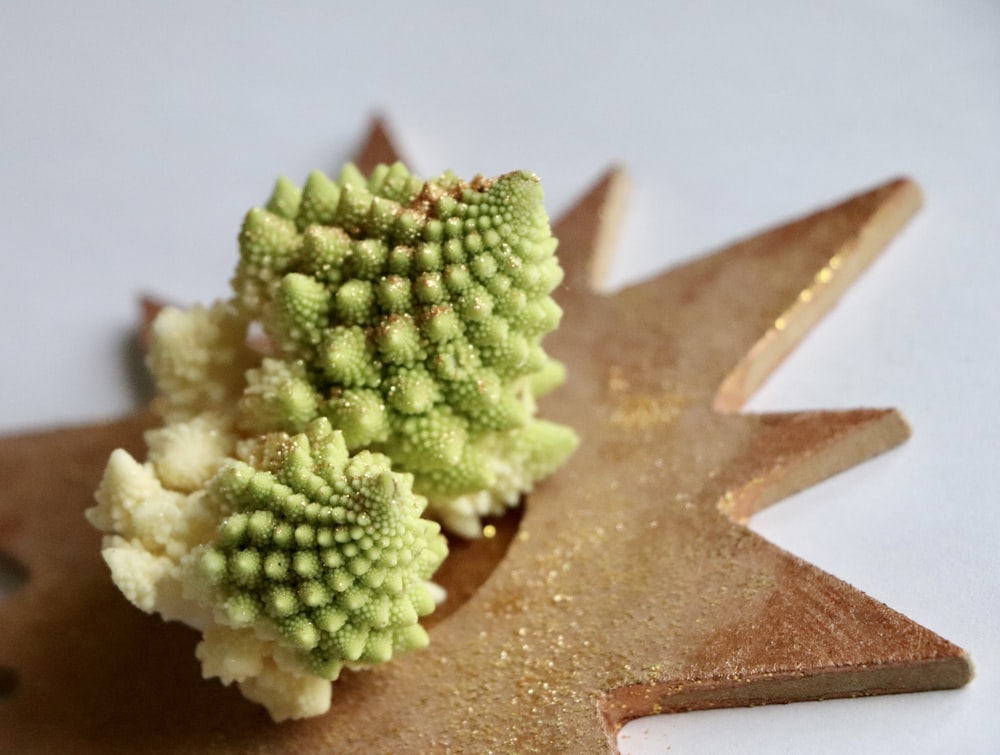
pixel 186 454
pixel 262 672
pixel 152 582
pixel 230 654
pixel 137 572
pixel 288 695
pixel 132 502
pixel 125 483
pixel 198 357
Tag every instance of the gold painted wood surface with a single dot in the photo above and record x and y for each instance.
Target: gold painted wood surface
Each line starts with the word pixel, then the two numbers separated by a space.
pixel 631 586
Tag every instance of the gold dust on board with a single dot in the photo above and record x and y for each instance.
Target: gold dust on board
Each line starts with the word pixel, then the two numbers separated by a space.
pixel 645 410
pixel 617 382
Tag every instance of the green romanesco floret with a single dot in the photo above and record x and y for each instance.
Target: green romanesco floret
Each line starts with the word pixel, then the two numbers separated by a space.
pixel 293 561
pixel 324 552
pixel 415 311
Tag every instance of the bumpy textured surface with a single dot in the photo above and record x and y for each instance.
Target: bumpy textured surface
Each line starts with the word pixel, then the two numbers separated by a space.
pixel 406 314
pixel 293 560
pixel 327 550
pixel 411 314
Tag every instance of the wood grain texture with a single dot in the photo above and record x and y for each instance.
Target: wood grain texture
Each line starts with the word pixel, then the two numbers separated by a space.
pixel 630 586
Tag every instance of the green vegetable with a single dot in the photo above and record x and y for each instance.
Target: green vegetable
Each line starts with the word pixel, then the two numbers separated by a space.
pixel 280 508
pixel 327 551
pixel 416 313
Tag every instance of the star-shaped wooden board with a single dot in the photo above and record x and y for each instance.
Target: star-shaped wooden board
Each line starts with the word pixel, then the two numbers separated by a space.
pixel 630 586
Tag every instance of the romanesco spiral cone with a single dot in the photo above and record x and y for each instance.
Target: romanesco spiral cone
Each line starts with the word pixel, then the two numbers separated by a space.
pixel 416 312
pixel 325 551
pixel 291 556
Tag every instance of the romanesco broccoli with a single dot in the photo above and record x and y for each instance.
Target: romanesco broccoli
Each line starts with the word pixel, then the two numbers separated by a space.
pixel 327 553
pixel 294 561
pixel 280 508
pixel 415 311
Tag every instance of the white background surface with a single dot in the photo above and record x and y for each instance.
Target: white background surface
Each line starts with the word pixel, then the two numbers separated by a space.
pixel 133 137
